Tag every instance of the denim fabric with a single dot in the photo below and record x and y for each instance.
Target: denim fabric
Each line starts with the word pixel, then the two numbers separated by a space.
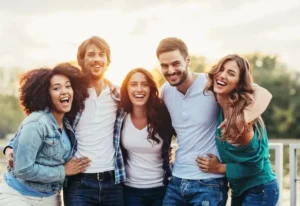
pixel 39 152
pixel 80 191
pixel 144 196
pixel 266 194
pixel 207 192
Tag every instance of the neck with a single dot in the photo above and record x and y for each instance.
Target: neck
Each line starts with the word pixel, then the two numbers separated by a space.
pixel 223 101
pixel 184 86
pixel 99 85
pixel 139 112
pixel 59 118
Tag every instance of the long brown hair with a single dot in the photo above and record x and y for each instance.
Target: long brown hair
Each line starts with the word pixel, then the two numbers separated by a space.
pixel 239 99
pixel 158 118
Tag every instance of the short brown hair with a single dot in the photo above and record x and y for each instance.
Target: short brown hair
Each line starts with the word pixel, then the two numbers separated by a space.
pixel 172 44
pixel 97 41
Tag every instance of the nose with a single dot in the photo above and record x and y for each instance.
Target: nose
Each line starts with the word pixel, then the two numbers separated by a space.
pixel 222 74
pixel 97 58
pixel 139 87
pixel 171 69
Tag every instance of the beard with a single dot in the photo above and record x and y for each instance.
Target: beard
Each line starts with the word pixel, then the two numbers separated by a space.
pixel 183 77
pixel 94 75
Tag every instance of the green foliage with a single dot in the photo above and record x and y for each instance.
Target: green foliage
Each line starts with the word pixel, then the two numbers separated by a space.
pixel 283 113
pixel 11 114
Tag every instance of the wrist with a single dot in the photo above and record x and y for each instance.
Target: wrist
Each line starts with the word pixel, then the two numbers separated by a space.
pixel 221 168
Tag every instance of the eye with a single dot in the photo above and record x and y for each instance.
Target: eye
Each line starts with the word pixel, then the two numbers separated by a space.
pixel 55 88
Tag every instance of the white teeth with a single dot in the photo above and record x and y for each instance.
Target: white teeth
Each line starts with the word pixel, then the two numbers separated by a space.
pixel 64 99
pixel 221 83
pixel 139 96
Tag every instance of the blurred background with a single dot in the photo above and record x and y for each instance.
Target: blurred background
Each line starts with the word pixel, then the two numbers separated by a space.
pixel 37 33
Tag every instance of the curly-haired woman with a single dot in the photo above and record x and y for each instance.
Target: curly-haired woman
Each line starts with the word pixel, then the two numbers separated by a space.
pixel 243 146
pixel 145 128
pixel 45 141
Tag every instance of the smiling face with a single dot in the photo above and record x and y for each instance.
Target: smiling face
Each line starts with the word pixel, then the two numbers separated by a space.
pixel 61 94
pixel 138 90
pixel 227 78
pixel 95 62
pixel 174 67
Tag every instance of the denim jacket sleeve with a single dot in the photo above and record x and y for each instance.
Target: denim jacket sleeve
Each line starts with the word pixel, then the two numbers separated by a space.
pixel 26 148
pixel 9 145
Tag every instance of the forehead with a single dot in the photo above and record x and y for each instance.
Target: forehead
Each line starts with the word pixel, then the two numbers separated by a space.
pixel 138 77
pixel 169 57
pixel 93 48
pixel 231 65
pixel 59 78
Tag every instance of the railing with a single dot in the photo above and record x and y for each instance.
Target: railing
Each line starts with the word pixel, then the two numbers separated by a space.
pixel 293 173
pixel 278 147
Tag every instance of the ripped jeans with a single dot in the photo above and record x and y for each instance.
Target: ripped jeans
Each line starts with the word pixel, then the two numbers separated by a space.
pixel 208 192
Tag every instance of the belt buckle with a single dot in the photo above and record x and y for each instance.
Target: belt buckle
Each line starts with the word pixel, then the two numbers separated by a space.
pixel 99 177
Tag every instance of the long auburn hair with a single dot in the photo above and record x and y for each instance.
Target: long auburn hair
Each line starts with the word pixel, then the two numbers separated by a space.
pixel 239 99
pixel 159 121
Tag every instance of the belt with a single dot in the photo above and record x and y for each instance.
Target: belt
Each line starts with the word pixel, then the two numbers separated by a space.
pixel 100 176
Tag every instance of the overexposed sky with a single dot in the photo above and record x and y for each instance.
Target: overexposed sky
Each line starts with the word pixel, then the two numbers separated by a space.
pixel 36 33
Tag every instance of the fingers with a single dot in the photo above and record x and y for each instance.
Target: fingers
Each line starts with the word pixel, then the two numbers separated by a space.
pixel 210 155
pixel 222 125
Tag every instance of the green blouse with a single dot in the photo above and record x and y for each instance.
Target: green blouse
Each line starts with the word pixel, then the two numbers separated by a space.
pixel 246 166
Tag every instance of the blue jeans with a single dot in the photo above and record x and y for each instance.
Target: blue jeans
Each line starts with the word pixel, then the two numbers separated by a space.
pixel 266 194
pixel 144 196
pixel 209 192
pixel 91 192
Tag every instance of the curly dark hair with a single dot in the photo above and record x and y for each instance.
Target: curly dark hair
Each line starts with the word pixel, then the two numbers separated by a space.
pixel 159 121
pixel 34 88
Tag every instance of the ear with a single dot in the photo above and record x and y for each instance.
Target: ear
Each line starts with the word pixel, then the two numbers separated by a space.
pixel 188 60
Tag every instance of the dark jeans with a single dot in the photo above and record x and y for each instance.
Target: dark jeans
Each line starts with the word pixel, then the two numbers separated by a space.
pixel 144 196
pixel 210 192
pixel 91 192
pixel 266 194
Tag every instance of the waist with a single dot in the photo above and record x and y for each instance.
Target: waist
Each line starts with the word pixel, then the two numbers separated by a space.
pixel 99 176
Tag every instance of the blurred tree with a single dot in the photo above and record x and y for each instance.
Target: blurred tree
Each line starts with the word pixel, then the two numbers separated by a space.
pixel 284 110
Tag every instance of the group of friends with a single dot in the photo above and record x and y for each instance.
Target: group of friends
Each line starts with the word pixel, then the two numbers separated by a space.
pixel 108 145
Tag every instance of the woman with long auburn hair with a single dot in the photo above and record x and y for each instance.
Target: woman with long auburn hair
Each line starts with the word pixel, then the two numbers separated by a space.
pixel 243 146
pixel 145 130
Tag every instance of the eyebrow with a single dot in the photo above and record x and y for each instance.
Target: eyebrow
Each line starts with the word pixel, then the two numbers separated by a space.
pixel 174 62
pixel 230 70
pixel 58 84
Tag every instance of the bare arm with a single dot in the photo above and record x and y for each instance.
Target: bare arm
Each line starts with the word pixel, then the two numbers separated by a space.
pixel 262 98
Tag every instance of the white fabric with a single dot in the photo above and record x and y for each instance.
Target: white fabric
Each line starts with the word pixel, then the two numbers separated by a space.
pixel 194 118
pixel 10 197
pixel 144 162
pixel 94 131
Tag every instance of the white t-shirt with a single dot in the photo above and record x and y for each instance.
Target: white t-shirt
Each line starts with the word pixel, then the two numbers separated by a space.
pixel 194 118
pixel 144 162
pixel 94 131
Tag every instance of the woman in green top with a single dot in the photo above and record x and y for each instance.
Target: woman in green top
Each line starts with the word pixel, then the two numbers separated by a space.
pixel 243 146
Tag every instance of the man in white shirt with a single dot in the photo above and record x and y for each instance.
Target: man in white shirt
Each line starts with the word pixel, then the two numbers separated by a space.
pixel 194 118
pixel 100 184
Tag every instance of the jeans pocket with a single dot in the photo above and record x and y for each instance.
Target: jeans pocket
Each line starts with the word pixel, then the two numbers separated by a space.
pixel 256 195
pixel 75 182
pixel 209 182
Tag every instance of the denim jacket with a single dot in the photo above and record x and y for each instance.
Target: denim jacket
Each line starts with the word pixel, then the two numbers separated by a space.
pixel 39 152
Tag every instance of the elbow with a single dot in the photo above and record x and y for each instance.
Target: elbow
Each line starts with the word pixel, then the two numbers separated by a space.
pixel 23 173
